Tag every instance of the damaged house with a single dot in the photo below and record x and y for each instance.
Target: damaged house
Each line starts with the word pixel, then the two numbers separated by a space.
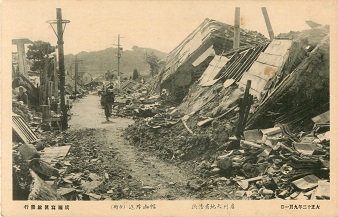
pixel 287 68
pixel 186 63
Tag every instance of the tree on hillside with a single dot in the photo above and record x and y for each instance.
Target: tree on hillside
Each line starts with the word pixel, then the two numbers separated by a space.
pixel 37 52
pixel 135 74
pixel 154 63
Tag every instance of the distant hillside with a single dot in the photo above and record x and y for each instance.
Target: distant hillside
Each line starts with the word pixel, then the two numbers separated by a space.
pixel 98 62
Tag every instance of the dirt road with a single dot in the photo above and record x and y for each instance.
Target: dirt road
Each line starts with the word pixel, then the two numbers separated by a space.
pixel 98 147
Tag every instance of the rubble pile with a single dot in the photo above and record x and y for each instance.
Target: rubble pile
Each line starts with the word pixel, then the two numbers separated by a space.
pixel 32 172
pixel 135 100
pixel 25 112
pixel 274 144
pixel 75 165
pixel 91 173
pixel 178 140
pixel 274 163
pixel 171 143
pixel 266 164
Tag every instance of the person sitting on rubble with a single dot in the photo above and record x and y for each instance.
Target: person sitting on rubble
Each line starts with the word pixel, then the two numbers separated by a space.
pixel 22 96
pixel 108 101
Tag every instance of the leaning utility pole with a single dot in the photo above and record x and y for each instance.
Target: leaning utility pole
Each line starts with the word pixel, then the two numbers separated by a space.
pixel 64 120
pixel 267 22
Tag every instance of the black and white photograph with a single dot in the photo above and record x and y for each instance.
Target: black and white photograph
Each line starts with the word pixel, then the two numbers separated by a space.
pixel 133 108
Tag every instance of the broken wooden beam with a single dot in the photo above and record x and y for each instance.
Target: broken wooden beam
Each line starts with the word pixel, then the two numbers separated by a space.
pixel 186 126
pixel 245 105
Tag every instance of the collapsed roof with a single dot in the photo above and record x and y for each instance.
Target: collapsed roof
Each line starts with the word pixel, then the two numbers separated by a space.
pixel 210 38
pixel 289 80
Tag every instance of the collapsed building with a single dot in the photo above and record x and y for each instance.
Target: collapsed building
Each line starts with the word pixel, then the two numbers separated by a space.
pixel 186 63
pixel 254 118
pixel 289 75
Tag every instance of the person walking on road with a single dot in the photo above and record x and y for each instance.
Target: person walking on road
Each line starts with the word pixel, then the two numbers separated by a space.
pixel 108 101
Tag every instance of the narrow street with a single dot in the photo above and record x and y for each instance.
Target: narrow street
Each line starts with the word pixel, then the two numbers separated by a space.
pixel 150 177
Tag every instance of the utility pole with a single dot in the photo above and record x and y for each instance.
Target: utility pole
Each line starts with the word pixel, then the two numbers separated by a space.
pixel 76 72
pixel 59 34
pixel 119 48
pixel 64 120
pixel 118 56
pixel 56 83
pixel 75 75
pixel 237 28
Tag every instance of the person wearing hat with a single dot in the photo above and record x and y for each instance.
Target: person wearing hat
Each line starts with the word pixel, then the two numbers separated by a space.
pixel 22 96
pixel 108 101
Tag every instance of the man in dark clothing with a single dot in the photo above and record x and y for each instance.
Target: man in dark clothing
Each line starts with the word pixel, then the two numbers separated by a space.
pixel 108 101
pixel 22 96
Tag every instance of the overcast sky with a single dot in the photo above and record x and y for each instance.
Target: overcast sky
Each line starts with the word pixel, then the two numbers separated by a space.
pixel 154 24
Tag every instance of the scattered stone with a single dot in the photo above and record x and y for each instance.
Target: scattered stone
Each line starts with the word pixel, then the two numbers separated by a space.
pixel 215 170
pixel 95 196
pixel 106 176
pixel 224 162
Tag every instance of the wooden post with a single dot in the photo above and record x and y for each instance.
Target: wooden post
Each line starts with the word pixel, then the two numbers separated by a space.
pixel 237 28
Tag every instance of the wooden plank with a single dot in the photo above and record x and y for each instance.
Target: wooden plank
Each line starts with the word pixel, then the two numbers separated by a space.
pixel 254 57
pixel 258 51
pixel 202 123
pixel 234 65
pixel 249 60
pixel 240 63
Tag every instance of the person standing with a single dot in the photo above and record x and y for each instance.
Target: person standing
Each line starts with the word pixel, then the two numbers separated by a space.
pixel 108 101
